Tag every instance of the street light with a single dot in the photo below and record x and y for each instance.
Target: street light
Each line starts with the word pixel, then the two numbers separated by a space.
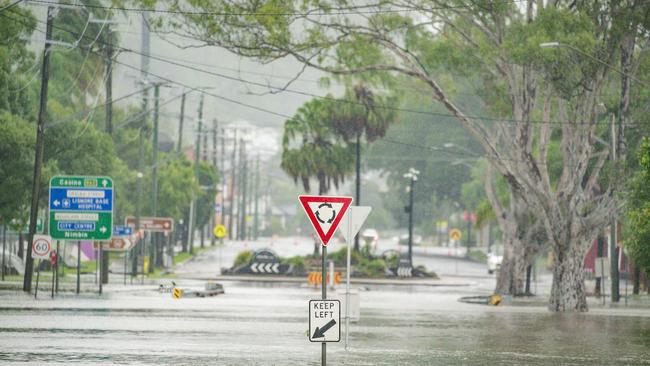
pixel 413 176
pixel 558 45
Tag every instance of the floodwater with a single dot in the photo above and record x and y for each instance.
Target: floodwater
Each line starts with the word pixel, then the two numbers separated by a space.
pixel 267 325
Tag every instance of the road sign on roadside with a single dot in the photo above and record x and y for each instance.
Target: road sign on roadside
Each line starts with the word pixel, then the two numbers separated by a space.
pixel 117 244
pixel 324 320
pixel 119 230
pixel 325 213
pixel 154 224
pixel 41 247
pixel 455 234
pixel 351 225
pixel 81 208
pixel 177 293
pixel 219 231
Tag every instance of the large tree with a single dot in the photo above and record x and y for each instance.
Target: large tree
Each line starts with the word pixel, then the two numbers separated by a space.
pixel 496 42
pixel 311 149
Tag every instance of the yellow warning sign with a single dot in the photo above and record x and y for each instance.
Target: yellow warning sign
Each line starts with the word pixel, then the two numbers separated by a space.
pixel 455 234
pixel 177 293
pixel 219 231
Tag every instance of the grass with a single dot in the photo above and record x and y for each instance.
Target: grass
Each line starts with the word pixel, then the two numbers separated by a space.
pixel 478 256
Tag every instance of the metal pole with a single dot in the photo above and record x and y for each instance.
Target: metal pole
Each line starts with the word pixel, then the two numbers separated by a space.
pixel 38 276
pixel 324 290
pixel 411 222
pixel 58 259
pixel 101 269
pixel 53 272
pixel 78 266
pixel 125 265
pixel 4 244
pixel 40 144
pixel 357 199
pixel 347 284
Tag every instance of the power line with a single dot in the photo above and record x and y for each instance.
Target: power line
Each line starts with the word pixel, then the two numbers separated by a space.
pixel 88 110
pixel 353 10
pixel 10 5
pixel 336 100
pixel 345 101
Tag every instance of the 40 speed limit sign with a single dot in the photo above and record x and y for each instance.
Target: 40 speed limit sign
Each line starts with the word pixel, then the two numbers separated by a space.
pixel 41 247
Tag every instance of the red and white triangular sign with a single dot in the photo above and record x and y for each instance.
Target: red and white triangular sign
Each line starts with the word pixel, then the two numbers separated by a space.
pixel 325 213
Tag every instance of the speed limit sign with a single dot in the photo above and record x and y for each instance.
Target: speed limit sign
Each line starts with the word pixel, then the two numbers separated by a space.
pixel 41 247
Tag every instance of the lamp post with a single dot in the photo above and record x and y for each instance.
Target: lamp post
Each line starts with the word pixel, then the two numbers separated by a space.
pixel 412 175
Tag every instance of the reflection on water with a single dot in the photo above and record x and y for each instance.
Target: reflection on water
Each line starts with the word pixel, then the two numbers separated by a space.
pixel 267 325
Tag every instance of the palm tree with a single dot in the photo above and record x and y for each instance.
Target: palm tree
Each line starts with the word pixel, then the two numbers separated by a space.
pixel 362 114
pixel 311 149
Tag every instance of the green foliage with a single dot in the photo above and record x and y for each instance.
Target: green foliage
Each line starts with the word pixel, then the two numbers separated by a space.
pixel 637 230
pixel 244 257
pixel 477 256
pixel 298 263
pixel 16 169
pixel 372 267
pixel 311 149
pixel 208 180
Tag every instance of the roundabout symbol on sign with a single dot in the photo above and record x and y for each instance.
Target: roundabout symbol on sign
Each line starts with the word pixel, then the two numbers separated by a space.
pixel 333 213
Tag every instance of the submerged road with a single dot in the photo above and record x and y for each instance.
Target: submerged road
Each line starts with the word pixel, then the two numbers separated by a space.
pixel 258 323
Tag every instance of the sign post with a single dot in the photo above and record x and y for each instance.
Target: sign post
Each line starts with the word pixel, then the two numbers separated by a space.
pixel 349 228
pixel 325 214
pixel 41 248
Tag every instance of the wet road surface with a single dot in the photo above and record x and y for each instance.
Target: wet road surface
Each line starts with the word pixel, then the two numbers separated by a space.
pixel 266 324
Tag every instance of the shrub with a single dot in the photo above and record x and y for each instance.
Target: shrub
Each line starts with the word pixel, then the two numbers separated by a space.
pixel 243 257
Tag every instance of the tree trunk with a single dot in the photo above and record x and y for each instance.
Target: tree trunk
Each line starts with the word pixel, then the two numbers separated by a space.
pixel 512 274
pixel 529 270
pixel 21 251
pixel 568 290
pixel 636 280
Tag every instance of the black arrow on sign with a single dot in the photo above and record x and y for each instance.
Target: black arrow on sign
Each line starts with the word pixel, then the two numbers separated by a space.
pixel 320 332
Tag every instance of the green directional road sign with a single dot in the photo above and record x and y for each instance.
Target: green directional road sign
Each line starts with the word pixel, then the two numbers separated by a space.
pixel 81 208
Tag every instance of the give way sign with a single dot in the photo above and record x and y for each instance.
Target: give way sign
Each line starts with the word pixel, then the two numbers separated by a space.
pixel 325 213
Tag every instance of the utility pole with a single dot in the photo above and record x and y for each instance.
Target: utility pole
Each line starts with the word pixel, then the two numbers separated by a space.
pixel 223 177
pixel 213 214
pixel 180 124
pixel 144 66
pixel 613 242
pixel 105 259
pixel 109 86
pixel 232 187
pixel 154 176
pixel 38 156
pixel 257 198
pixel 197 160
pixel 241 232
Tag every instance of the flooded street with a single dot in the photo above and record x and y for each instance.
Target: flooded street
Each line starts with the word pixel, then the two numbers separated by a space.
pixel 256 324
